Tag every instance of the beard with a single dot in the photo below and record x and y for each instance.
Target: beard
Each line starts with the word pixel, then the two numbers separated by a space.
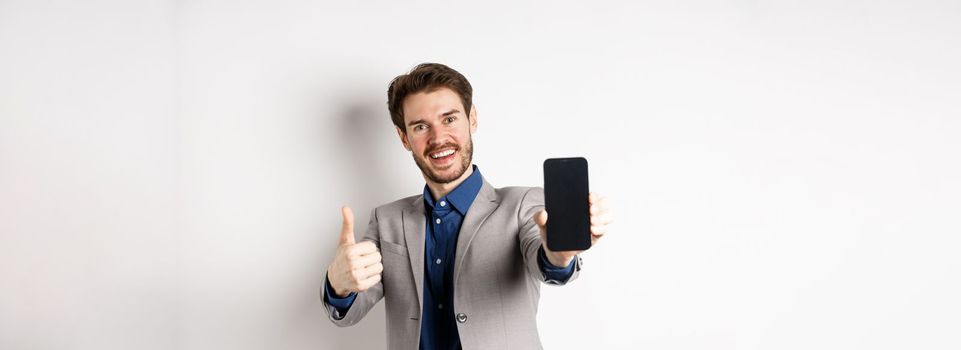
pixel 458 169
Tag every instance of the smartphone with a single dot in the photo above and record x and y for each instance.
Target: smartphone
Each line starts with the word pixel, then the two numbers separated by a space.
pixel 565 197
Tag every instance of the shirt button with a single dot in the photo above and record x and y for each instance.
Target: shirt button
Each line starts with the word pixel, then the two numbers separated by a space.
pixel 461 317
pixel 438 261
pixel 437 221
pixel 443 203
pixel 440 306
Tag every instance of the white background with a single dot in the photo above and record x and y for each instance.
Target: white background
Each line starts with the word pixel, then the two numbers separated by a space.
pixel 785 174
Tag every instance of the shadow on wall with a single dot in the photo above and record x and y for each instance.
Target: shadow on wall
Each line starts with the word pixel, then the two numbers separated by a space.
pixel 361 148
pixel 366 139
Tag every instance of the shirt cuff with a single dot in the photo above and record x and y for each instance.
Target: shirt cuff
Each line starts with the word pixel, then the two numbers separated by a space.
pixel 554 274
pixel 341 304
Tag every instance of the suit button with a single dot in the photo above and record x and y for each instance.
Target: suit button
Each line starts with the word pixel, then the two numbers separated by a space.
pixel 461 317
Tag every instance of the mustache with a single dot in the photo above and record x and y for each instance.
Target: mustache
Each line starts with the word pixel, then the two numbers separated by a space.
pixel 455 146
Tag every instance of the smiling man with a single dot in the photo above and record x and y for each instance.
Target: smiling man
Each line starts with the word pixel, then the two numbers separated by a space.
pixel 460 265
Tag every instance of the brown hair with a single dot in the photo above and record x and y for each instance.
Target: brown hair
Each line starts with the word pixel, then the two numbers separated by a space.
pixel 425 77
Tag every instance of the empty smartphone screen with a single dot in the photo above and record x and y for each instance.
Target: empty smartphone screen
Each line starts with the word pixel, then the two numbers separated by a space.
pixel 565 197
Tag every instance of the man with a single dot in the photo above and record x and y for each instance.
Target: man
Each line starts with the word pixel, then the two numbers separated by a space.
pixel 460 265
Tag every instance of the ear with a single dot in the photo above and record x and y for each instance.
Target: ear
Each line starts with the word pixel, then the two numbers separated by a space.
pixel 473 119
pixel 403 138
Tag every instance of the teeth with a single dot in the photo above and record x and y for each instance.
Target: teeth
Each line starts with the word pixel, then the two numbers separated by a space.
pixel 442 154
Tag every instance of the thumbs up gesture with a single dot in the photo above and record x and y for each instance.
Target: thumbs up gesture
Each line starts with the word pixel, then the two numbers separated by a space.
pixel 356 266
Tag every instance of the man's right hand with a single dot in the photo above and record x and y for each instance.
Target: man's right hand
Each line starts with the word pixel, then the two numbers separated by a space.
pixel 356 266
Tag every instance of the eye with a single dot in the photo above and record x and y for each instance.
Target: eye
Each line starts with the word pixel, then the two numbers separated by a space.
pixel 450 119
pixel 420 127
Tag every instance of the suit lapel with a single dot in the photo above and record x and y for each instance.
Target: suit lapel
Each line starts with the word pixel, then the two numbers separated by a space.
pixel 414 233
pixel 482 207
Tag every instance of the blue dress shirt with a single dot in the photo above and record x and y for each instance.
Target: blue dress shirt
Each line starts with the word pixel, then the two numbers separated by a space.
pixel 444 218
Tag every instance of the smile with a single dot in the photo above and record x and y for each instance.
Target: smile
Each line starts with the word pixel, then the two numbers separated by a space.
pixel 442 154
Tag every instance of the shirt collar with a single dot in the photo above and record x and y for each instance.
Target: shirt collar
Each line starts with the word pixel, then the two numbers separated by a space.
pixel 462 196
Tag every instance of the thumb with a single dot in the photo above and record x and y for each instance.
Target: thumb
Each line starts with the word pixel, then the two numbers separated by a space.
pixel 540 218
pixel 347 230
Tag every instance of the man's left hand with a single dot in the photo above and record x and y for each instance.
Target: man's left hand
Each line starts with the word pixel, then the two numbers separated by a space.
pixel 600 218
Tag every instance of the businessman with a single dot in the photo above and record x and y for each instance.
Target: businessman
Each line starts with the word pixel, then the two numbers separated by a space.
pixel 460 265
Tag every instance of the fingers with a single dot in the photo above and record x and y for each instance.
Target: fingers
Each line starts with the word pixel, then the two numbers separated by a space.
pixel 599 230
pixel 362 279
pixel 598 203
pixel 540 218
pixel 361 274
pixel 362 248
pixel 366 277
pixel 367 283
pixel 347 229
pixel 365 260
pixel 601 215
pixel 370 270
pixel 355 268
pixel 602 219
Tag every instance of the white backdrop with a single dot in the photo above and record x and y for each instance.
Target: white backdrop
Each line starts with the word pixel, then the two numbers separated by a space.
pixel 785 174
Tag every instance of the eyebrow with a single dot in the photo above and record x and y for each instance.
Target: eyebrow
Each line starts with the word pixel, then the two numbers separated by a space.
pixel 418 121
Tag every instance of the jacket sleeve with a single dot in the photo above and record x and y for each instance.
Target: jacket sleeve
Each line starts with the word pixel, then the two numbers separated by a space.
pixel 530 237
pixel 364 300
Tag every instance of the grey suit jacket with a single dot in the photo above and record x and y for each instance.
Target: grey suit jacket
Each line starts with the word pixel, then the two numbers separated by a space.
pixel 496 274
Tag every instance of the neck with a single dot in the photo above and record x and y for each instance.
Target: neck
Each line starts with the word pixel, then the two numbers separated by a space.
pixel 439 190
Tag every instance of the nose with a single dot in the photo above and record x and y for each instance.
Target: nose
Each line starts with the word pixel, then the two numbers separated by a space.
pixel 437 138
